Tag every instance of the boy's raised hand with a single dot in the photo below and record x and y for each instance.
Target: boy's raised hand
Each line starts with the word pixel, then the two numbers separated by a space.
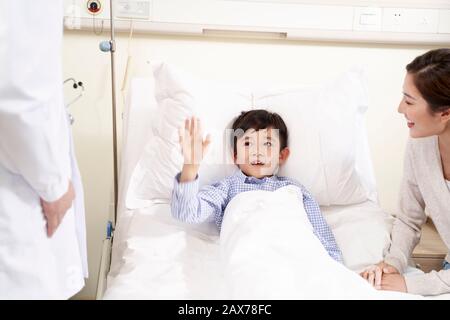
pixel 193 147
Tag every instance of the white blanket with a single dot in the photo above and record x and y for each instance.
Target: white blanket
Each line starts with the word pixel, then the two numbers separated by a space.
pixel 269 251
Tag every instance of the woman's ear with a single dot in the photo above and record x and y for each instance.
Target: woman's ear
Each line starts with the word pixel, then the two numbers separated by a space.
pixel 284 155
pixel 445 116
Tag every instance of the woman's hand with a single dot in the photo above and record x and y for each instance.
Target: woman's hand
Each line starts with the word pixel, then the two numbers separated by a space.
pixel 393 282
pixel 193 147
pixel 374 273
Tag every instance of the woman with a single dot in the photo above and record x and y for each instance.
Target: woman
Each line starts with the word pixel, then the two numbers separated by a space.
pixel 426 176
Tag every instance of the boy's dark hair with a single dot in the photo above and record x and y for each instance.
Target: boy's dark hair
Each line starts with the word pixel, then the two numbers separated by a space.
pixel 431 75
pixel 258 120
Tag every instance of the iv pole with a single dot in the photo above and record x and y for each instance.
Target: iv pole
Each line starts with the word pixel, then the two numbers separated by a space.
pixel 110 46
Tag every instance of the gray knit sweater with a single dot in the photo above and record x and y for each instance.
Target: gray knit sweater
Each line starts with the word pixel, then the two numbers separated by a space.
pixel 423 189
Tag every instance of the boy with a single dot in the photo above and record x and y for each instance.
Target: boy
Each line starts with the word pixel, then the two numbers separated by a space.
pixel 259 148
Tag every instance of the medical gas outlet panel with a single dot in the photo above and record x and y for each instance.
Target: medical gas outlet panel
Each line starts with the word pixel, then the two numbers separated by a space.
pixel 401 21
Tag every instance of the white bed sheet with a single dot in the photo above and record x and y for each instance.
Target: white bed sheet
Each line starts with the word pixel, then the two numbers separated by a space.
pixel 161 258
pixel 165 259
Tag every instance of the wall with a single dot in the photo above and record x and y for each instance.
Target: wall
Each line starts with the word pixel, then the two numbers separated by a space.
pixel 228 59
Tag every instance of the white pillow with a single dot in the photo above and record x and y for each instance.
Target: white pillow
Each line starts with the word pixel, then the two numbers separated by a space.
pixel 328 142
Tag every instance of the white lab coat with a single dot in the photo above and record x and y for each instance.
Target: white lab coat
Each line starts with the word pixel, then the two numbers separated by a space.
pixel 36 157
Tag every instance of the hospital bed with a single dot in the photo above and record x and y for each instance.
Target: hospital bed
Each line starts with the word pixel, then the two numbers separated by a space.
pixel 153 256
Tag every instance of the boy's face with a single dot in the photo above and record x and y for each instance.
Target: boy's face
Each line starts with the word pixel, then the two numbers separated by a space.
pixel 258 152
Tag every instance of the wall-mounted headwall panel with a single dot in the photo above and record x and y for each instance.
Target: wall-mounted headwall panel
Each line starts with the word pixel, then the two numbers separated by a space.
pixel 251 14
pixel 343 20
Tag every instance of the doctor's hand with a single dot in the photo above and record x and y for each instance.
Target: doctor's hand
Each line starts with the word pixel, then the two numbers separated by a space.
pixel 54 211
pixel 193 147
pixel 374 273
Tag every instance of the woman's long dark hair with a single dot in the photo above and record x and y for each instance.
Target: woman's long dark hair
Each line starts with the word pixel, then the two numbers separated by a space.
pixel 431 74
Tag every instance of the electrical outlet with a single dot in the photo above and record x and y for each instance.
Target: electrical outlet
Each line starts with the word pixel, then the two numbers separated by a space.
pixel 393 19
pixel 397 19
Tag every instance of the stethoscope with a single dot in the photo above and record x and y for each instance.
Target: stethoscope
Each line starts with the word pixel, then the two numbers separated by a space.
pixel 76 85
